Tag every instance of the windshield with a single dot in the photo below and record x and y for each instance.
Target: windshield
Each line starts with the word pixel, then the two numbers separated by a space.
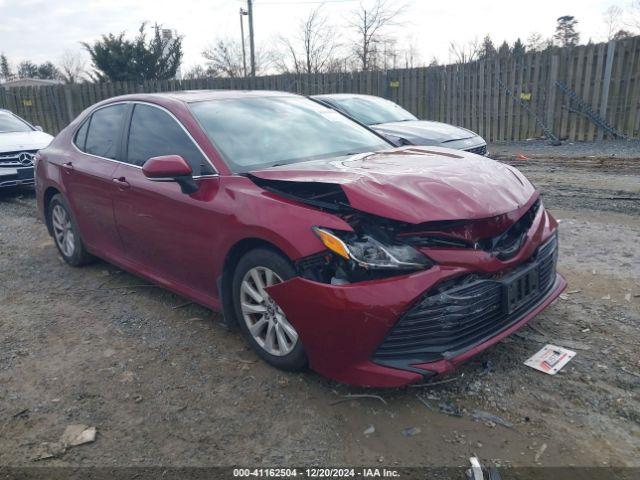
pixel 373 110
pixel 259 132
pixel 11 123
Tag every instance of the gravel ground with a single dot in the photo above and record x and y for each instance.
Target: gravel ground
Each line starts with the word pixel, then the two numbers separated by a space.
pixel 625 149
pixel 167 384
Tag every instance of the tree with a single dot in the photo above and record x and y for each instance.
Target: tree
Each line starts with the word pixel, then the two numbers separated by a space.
pixel 612 17
pixel 370 25
pixel 412 57
pixel 198 71
pixel 225 58
pixel 622 34
pixel 114 58
pixel 566 34
pixel 5 68
pixel 504 50
pixel 72 67
pixel 536 43
pixel 27 69
pixel 518 49
pixel 48 71
pixel 313 49
pixel 465 52
pixel 487 50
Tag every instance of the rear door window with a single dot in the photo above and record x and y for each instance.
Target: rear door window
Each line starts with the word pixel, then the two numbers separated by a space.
pixel 103 136
pixel 154 133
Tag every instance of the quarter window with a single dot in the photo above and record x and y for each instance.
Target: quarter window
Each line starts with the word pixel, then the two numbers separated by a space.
pixel 81 136
pixel 154 133
pixel 103 136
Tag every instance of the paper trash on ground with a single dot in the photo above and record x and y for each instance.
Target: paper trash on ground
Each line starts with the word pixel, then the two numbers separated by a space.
pixel 550 359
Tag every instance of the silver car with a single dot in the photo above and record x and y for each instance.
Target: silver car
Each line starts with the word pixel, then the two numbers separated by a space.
pixel 400 126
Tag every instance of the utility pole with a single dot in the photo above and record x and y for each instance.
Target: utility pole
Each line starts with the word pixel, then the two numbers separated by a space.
pixel 251 42
pixel 243 12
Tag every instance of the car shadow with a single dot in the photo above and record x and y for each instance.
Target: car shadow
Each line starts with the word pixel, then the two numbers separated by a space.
pixel 20 192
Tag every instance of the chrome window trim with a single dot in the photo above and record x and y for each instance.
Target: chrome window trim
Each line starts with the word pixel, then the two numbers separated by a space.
pixel 128 102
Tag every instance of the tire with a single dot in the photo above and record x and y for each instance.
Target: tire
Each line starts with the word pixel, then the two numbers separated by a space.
pixel 71 248
pixel 273 336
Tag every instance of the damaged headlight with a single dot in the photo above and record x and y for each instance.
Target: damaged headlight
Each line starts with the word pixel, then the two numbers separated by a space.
pixel 370 253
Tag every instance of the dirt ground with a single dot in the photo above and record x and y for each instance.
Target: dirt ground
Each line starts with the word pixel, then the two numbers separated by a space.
pixel 165 383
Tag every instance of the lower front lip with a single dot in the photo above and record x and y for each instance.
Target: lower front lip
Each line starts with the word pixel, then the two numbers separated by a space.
pixel 341 326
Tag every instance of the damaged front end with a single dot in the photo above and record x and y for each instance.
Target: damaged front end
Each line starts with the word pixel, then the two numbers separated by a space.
pixel 379 247
pixel 421 297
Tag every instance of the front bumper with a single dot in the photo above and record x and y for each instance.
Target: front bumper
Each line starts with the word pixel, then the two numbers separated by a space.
pixel 342 327
pixel 18 176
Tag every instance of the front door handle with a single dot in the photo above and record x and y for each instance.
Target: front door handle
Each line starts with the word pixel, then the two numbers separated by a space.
pixel 121 182
pixel 68 167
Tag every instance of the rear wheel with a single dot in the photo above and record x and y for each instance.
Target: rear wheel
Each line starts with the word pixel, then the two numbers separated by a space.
pixel 66 234
pixel 261 320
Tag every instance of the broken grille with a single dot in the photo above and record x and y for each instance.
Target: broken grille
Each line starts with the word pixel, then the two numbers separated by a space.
pixel 449 322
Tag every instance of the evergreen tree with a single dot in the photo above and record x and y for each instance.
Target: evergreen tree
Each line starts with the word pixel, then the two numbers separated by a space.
pixel 504 50
pixel 518 49
pixel 487 49
pixel 45 71
pixel 5 69
pixel 566 34
pixel 48 70
pixel 27 69
pixel 115 58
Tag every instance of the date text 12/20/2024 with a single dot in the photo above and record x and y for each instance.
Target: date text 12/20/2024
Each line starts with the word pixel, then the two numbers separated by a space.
pixel 316 472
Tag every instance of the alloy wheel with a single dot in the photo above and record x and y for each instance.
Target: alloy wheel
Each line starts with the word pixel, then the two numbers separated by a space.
pixel 63 230
pixel 265 320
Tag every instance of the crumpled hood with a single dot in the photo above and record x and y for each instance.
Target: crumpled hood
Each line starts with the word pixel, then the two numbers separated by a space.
pixel 416 185
pixel 15 141
pixel 424 131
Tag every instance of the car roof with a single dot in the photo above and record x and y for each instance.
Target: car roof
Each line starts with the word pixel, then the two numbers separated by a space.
pixel 191 96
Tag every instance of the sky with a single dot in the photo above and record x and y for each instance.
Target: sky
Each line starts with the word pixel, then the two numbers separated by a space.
pixel 42 30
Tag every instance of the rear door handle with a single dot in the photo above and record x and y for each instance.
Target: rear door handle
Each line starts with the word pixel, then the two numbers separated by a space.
pixel 121 182
pixel 68 166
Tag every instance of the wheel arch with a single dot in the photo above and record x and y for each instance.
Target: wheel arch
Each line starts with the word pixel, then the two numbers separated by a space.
pixel 234 254
pixel 49 193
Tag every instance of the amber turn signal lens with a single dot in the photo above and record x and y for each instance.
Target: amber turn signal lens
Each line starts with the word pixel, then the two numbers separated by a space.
pixel 332 242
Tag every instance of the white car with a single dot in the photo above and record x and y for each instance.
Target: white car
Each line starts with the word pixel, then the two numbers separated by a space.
pixel 19 143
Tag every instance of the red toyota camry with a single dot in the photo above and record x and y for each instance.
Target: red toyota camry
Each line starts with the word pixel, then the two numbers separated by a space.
pixel 326 245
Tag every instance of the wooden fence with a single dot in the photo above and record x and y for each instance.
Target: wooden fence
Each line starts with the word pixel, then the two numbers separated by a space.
pixel 604 76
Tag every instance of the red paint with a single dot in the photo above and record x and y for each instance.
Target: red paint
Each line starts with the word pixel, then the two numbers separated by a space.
pixel 417 185
pixel 180 241
pixel 167 166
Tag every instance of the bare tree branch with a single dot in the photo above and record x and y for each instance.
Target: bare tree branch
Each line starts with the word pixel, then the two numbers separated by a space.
pixel 612 20
pixel 370 25
pixel 314 47
pixel 72 67
pixel 224 58
pixel 465 52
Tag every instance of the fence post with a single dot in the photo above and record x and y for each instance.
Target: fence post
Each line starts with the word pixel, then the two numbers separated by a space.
pixel 69 103
pixel 551 92
pixel 604 99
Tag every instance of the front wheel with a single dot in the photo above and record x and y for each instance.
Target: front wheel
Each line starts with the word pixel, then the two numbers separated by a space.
pixel 261 320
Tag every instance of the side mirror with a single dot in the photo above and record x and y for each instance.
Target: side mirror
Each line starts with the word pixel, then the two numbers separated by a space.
pixel 39 128
pixel 170 168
